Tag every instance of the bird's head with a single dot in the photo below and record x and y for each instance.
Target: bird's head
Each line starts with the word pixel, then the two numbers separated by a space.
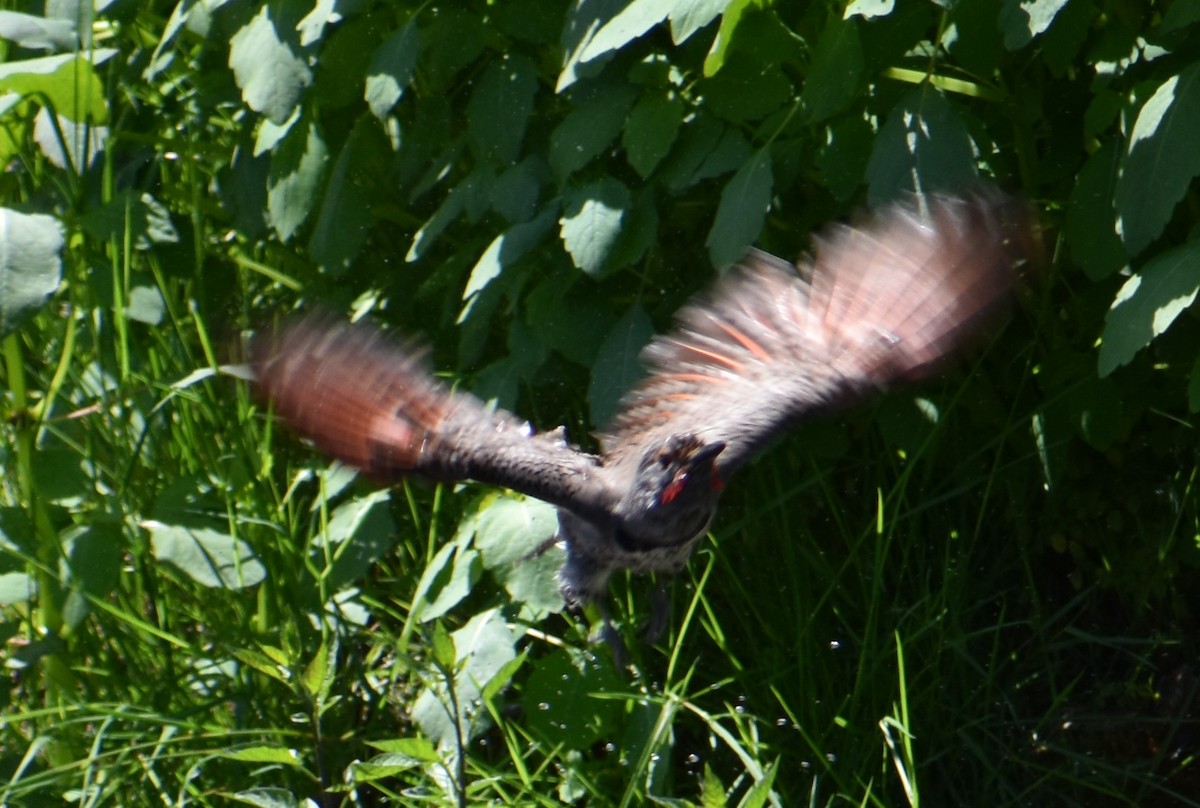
pixel 679 471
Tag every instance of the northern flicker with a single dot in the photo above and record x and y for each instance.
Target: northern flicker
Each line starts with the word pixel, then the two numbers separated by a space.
pixel 885 299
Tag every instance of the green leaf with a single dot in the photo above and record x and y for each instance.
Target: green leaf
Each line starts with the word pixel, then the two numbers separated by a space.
pixel 634 20
pixel 67 84
pixel 689 16
pixel 263 753
pixel 483 647
pixel 617 366
pixel 515 192
pixel 267 68
pixel 30 265
pixel 208 557
pixel 1148 303
pixel 37 33
pixel 93 557
pixel 740 214
pixel 869 9
pixel 321 672
pixel 923 146
pixel 447 579
pixel 505 250
pixel 747 90
pixel 391 70
pixel 559 700
pixel 499 109
pixel 842 159
pixel 66 144
pixel 591 223
pixel 651 129
pixel 297 167
pixel 835 73
pixel 16 587
pixel 360 532
pixel 731 18
pixel 146 305
pixel 1091 219
pixel 129 214
pixel 1022 20
pixel 1162 159
pixel 508 529
pixel 268 798
pixel 589 128
pixel 345 219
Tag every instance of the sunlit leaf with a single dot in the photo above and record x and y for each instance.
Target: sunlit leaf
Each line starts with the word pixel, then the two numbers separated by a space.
pixel 1148 303
pixel 267 68
pixel 30 264
pixel 1161 161
pixel 591 223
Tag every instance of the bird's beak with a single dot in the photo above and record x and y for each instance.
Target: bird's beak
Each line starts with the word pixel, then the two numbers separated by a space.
pixel 708 453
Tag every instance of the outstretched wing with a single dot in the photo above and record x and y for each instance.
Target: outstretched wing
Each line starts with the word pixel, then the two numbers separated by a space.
pixel 884 300
pixel 372 404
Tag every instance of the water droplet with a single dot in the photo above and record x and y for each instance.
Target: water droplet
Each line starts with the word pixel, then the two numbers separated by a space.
pixel 693 759
pixel 543 706
pixel 835 645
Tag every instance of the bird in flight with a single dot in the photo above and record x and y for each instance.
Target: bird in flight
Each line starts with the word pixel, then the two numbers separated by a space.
pixel 883 300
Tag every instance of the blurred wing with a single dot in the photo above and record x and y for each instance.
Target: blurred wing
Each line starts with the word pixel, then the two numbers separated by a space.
pixel 371 403
pixel 884 300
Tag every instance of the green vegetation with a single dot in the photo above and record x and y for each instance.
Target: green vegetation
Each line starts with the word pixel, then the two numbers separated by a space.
pixel 978 591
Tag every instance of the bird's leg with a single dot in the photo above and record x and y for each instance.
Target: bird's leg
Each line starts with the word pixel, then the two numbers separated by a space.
pixel 608 634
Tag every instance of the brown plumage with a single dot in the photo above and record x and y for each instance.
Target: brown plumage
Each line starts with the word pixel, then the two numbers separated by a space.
pixel 886 299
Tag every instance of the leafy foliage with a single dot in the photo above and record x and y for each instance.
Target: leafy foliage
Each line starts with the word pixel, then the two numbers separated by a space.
pixel 979 586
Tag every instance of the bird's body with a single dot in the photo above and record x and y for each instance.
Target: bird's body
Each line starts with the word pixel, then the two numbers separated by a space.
pixel 882 301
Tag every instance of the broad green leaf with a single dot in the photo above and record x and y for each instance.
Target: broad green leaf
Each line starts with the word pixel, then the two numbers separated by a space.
pixel 731 17
pixel 345 217
pixel 485 646
pixel 419 749
pixel 67 84
pixel 1148 303
pixel 451 208
pixel 321 670
pixel 974 39
pixel 16 587
pixel 740 214
pixel 499 109
pixel 93 557
pixel 266 797
pixel 835 73
pixel 146 305
pixel 651 129
pixel 689 16
pixel 842 159
pixel 391 70
pixel 1162 159
pixel 208 557
pixel 139 217
pixel 617 364
pixel 869 9
pixel 509 529
pixel 747 90
pixel 923 146
pixel 37 33
pixel 312 28
pixel 297 168
pixel 591 223
pixel 505 249
pixel 68 145
pixel 360 532
pixel 515 192
pixel 1022 20
pixel 589 128
pixel 638 17
pixel 447 579
pixel 560 703
pixel 271 74
pixel 1091 219
pixel 30 265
